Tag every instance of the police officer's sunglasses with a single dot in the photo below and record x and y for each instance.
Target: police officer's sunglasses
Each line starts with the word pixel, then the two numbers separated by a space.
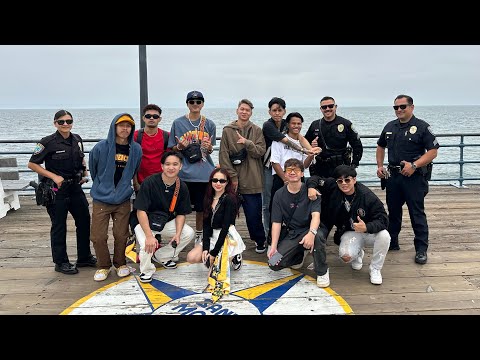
pixel 330 106
pixel 62 122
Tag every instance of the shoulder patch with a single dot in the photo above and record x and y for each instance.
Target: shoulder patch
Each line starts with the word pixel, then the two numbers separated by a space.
pixel 38 149
pixel 430 130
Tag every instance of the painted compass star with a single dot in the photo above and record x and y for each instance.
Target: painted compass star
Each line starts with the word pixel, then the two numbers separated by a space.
pixel 255 290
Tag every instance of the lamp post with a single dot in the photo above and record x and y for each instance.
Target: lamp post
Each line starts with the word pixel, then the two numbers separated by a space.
pixel 142 62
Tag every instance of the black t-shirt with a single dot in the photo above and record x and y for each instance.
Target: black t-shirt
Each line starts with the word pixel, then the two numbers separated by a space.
pixel 155 196
pixel 121 158
pixel 285 203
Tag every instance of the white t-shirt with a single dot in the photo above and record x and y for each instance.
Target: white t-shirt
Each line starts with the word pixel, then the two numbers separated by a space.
pixel 282 152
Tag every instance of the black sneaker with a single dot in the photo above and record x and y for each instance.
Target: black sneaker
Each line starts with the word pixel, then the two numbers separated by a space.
pixel 394 245
pixel 421 257
pixel 237 262
pixel 260 249
pixel 91 261
pixel 145 278
pixel 66 268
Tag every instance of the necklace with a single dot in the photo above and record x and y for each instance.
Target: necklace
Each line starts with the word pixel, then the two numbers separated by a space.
pixel 190 121
pixel 167 186
pixel 156 132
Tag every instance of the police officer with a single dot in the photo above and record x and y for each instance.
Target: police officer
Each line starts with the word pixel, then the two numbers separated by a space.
pixel 65 170
pixel 411 148
pixel 332 133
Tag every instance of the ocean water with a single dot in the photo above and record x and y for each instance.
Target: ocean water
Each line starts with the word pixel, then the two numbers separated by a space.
pixel 33 124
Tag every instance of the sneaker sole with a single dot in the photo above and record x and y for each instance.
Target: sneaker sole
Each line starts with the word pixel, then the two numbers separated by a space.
pixel 260 251
pixel 145 281
pixel 376 282
pixel 323 285
pixel 170 267
pixel 357 267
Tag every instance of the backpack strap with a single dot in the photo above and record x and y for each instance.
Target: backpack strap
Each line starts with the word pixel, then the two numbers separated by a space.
pixel 165 139
pixel 140 135
pixel 175 195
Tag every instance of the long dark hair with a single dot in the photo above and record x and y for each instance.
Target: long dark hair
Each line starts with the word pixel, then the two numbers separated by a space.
pixel 208 199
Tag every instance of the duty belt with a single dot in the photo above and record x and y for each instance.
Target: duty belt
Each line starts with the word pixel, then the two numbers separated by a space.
pixel 395 168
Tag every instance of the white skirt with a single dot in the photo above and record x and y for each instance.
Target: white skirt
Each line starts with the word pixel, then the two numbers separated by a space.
pixel 233 239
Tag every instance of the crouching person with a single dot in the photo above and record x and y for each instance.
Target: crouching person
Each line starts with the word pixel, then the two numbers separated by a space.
pixel 359 216
pixel 301 219
pixel 162 204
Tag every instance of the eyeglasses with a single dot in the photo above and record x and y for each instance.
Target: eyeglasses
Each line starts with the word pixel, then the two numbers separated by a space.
pixel 149 116
pixel 403 106
pixel 294 169
pixel 330 106
pixel 346 180
pixel 221 181
pixel 61 122
pixel 191 102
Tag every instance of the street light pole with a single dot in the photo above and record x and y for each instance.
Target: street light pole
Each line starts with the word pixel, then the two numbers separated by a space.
pixel 142 61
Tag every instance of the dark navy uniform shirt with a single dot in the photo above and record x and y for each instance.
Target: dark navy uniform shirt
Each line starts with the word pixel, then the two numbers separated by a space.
pixel 407 141
pixel 63 157
pixel 336 134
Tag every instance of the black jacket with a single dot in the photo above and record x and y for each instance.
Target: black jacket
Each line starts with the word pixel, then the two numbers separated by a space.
pixel 365 204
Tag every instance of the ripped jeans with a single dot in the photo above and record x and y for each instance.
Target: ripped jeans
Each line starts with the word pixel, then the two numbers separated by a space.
pixel 352 243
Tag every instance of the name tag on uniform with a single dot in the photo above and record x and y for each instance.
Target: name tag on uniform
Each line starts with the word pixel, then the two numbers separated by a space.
pixel 59 151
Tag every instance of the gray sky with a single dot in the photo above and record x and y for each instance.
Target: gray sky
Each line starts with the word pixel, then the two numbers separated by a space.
pixel 83 76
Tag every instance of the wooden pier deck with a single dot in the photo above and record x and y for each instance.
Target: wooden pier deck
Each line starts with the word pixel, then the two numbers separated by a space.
pixel 448 284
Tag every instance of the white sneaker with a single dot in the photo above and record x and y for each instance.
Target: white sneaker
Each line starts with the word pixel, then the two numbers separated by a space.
pixel 357 264
pixel 375 276
pixel 101 274
pixel 123 271
pixel 298 266
pixel 323 281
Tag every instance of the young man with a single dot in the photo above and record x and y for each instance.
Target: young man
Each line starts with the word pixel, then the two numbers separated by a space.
pixel 155 196
pixel 241 150
pixel 154 142
pixel 412 146
pixel 301 217
pixel 359 216
pixel 186 133
pixel 113 163
pixel 333 133
pixel 274 130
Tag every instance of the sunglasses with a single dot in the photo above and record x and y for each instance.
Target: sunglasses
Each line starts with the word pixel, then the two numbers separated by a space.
pixel 294 169
pixel 346 180
pixel 149 116
pixel 330 106
pixel 221 181
pixel 403 106
pixel 62 122
pixel 191 102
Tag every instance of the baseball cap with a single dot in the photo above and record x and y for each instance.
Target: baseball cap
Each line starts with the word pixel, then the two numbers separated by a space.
pixel 125 118
pixel 194 95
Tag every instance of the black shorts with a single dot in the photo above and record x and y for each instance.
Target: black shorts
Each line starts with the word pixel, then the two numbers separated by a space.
pixel 197 192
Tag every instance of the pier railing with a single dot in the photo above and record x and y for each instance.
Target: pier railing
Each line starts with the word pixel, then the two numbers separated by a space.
pixel 458 159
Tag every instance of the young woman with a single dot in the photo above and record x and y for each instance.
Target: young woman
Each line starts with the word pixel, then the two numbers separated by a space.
pixel 220 210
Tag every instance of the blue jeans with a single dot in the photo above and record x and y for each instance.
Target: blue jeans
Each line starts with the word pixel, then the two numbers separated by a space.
pixel 267 191
pixel 252 207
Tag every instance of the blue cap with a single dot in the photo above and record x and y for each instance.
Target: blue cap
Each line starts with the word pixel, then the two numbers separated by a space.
pixel 194 95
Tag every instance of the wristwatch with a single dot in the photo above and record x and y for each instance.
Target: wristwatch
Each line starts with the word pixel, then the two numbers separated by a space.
pixel 414 166
pixel 314 231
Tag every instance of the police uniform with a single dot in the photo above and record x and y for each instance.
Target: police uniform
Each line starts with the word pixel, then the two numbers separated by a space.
pixel 333 137
pixel 407 141
pixel 64 157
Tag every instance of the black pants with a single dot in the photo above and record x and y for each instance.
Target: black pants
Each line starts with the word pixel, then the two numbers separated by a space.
pixel 69 198
pixel 411 190
pixel 293 251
